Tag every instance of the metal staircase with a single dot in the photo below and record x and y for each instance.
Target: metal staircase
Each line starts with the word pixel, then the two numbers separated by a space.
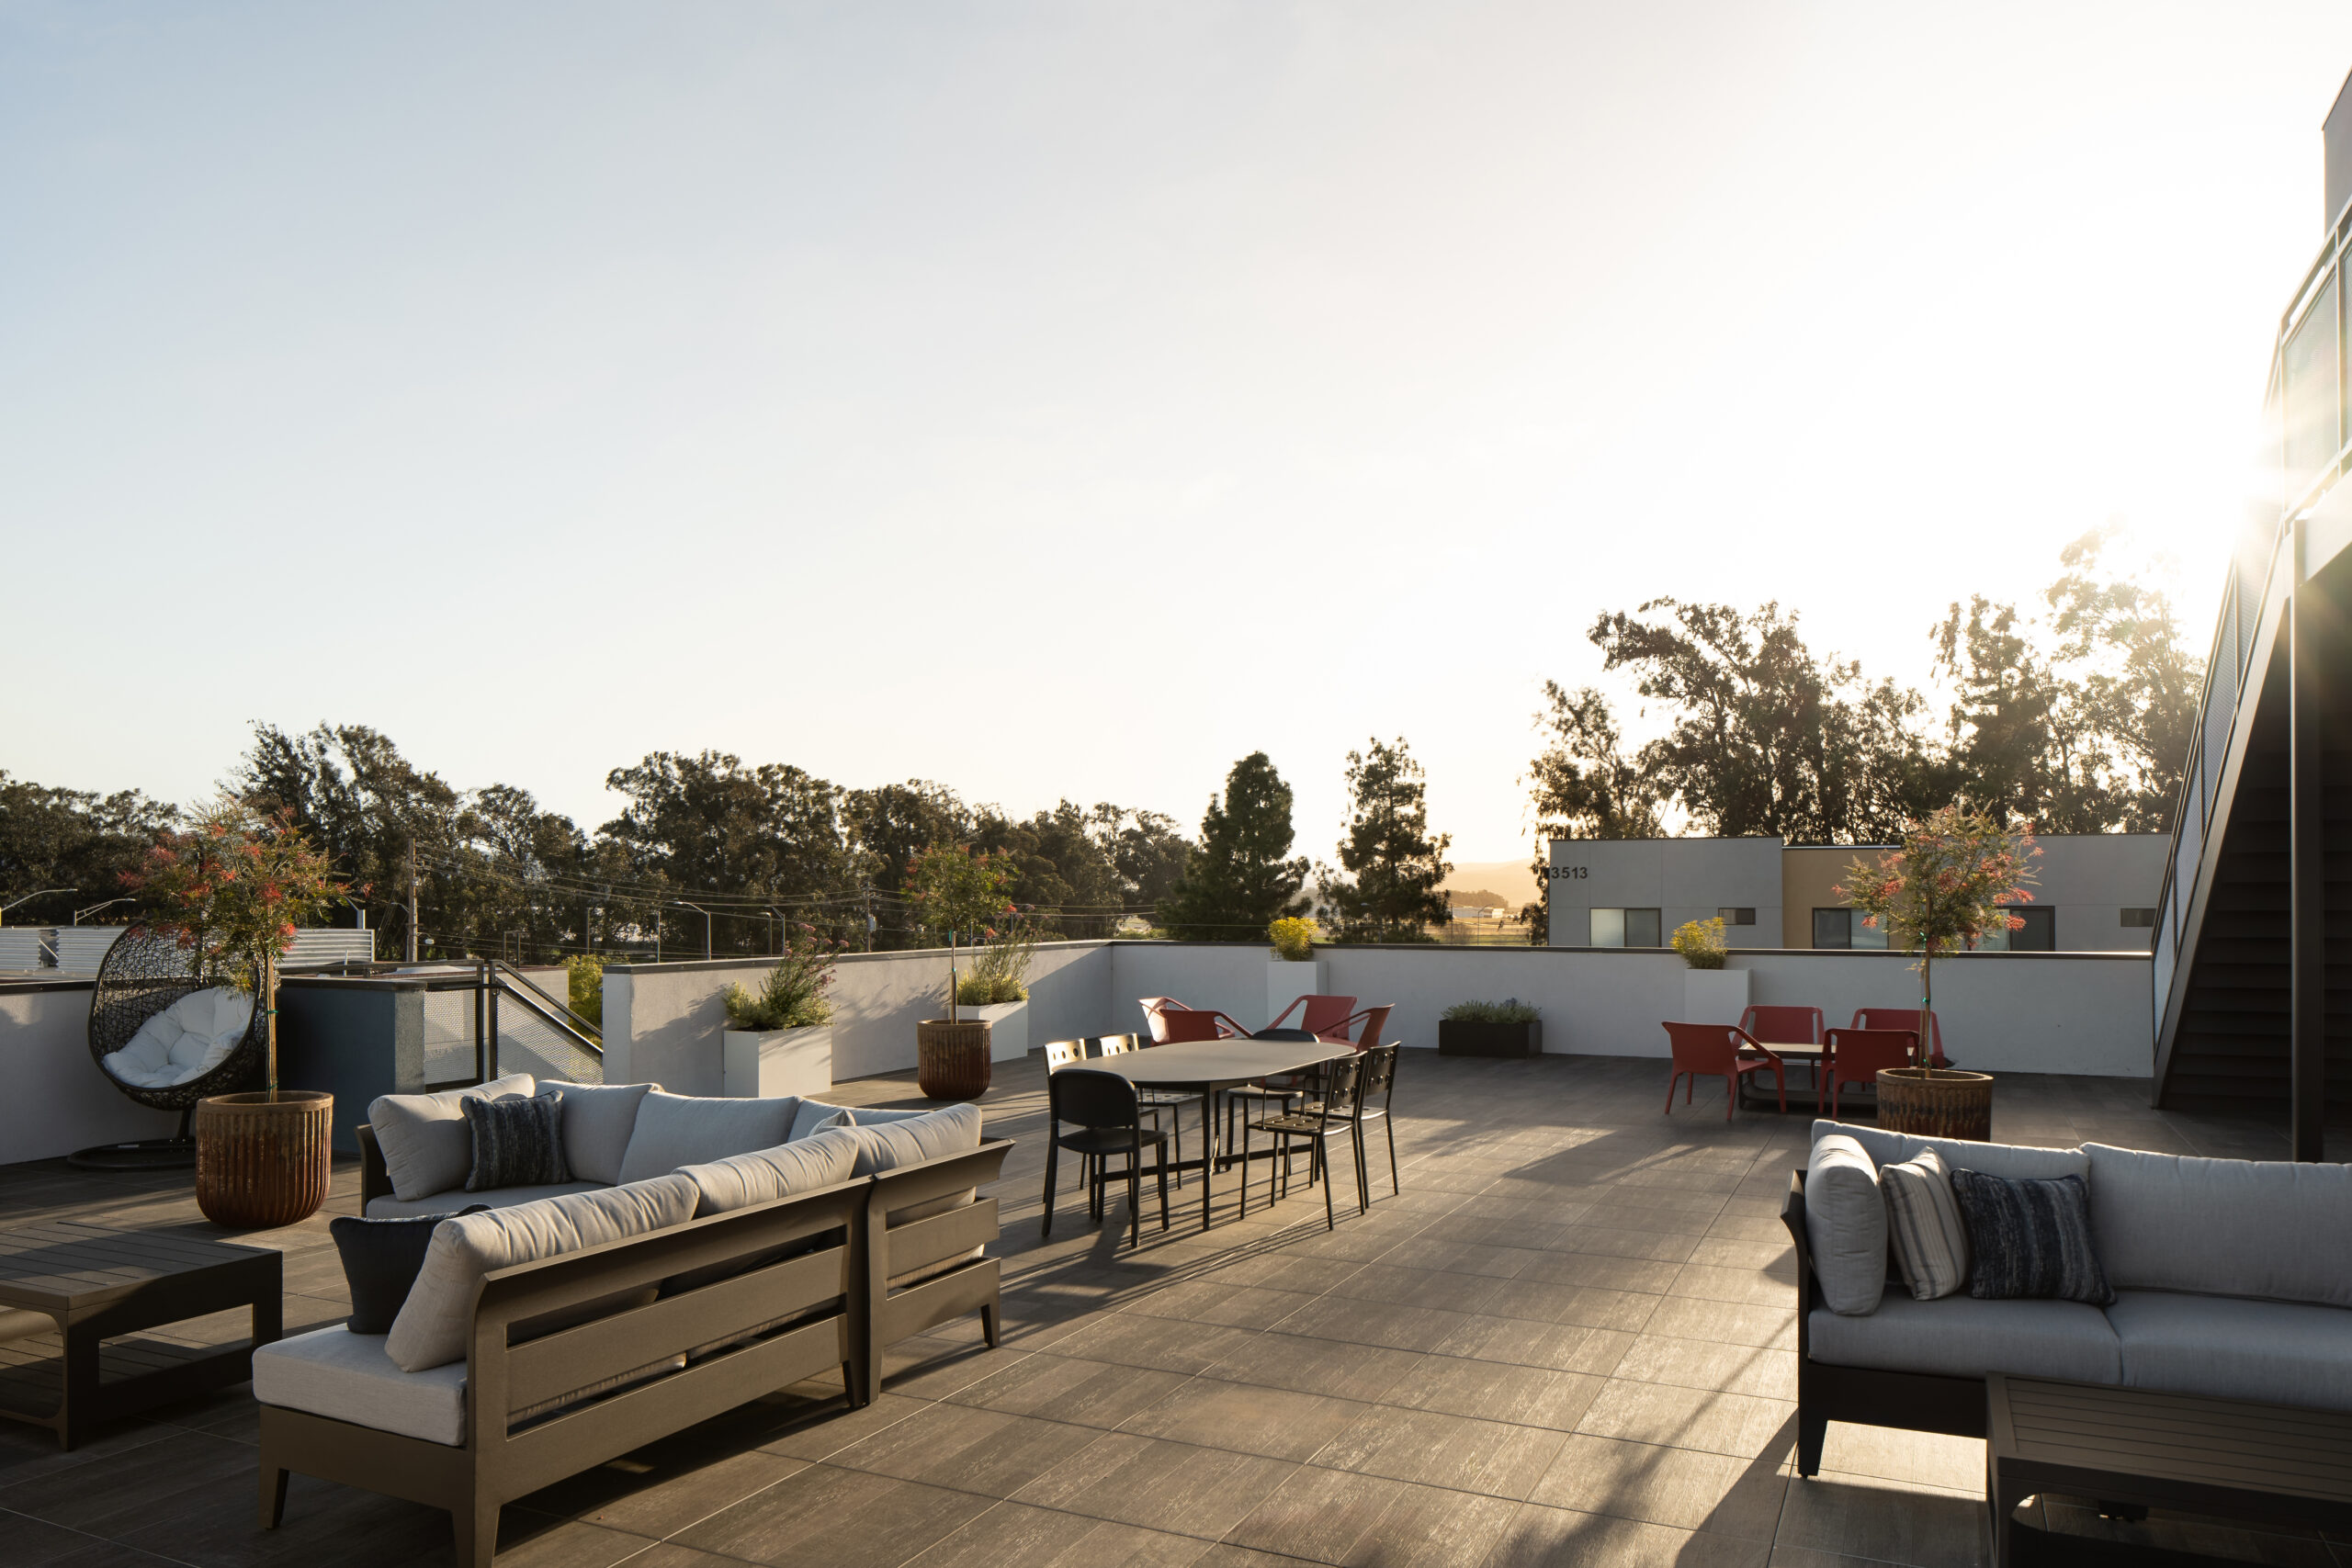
pixel 2252 971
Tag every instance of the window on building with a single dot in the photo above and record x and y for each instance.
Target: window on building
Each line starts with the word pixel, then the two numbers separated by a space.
pixel 2139 920
pixel 2039 934
pixel 1626 927
pixel 1732 917
pixel 1844 928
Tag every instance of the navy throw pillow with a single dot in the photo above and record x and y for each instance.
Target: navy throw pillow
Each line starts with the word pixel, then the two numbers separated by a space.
pixel 2030 1238
pixel 517 1142
pixel 380 1259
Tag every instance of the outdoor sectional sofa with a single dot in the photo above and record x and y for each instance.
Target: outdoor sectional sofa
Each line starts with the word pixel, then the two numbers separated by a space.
pixel 2232 1278
pixel 644 1306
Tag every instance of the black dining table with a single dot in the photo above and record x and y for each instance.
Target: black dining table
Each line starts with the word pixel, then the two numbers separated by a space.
pixel 1206 1068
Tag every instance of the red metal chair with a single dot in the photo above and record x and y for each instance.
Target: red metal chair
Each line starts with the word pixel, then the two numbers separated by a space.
pixel 1851 1058
pixel 1784 1025
pixel 1173 1023
pixel 1373 1020
pixel 1324 1014
pixel 1719 1051
pixel 1904 1018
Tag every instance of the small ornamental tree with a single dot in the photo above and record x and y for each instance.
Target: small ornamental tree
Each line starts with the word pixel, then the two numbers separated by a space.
pixel 231 888
pixel 956 891
pixel 1943 889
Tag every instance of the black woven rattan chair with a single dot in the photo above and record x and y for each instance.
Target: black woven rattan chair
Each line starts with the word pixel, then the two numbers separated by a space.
pixel 1335 1088
pixel 1106 1119
pixel 140 976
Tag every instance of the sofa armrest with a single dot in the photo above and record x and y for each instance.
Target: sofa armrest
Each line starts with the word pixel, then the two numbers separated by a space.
pixel 1793 1216
pixel 375 1180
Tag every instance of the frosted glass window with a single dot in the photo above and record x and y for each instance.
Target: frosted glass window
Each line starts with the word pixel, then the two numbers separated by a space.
pixel 2311 434
pixel 1609 928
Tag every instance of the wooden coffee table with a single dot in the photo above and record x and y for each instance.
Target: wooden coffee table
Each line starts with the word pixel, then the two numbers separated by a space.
pixel 96 1285
pixel 2233 1459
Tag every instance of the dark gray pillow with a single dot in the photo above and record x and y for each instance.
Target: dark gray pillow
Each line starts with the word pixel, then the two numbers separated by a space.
pixel 517 1142
pixel 2030 1238
pixel 380 1259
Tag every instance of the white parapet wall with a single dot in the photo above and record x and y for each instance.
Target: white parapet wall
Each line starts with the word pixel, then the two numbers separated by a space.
pixel 2041 1013
pixel 58 1100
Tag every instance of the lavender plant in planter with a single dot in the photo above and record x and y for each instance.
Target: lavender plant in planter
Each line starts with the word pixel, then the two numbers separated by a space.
pixel 1508 1028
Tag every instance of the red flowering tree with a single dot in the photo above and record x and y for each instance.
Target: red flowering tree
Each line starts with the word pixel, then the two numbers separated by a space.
pixel 962 894
pixel 232 887
pixel 1943 889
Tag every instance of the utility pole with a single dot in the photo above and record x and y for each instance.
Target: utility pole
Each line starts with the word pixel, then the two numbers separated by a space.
pixel 412 899
pixel 869 916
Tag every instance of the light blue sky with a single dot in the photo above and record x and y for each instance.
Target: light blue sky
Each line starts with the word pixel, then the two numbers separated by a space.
pixel 1069 399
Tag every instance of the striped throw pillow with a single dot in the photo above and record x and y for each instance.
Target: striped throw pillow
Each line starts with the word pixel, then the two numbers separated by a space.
pixel 1923 1223
pixel 517 1142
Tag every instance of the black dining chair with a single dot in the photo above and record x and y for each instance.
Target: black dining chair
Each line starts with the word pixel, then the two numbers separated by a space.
pixel 1106 1121
pixel 1153 1101
pixel 1333 1090
pixel 1378 1082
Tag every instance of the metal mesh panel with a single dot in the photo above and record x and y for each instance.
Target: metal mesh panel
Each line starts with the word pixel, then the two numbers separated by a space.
pixel 449 1036
pixel 528 1044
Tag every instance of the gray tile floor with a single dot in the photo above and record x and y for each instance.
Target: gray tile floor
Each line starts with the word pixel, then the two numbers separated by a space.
pixel 1568 1341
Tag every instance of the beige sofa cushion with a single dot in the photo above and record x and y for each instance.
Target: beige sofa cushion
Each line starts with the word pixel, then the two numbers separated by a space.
pixel 2225 1227
pixel 457 1197
pixel 765 1175
pixel 423 1138
pixel 677 1129
pixel 597 1122
pixel 350 1377
pixel 433 1322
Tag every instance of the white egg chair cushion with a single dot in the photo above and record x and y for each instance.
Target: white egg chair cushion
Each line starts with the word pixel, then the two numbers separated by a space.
pixel 185 1040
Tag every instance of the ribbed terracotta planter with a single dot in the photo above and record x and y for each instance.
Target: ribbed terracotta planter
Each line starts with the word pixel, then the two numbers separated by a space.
pixel 952 1059
pixel 1949 1105
pixel 263 1162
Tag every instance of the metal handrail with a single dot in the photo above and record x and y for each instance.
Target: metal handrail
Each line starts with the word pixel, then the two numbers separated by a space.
pixel 531 1000
pixel 579 1024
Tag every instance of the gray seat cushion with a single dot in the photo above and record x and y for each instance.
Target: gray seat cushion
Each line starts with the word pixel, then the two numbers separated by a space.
pixel 2274 1352
pixel 348 1377
pixel 425 1146
pixel 457 1197
pixel 2018 1162
pixel 812 1114
pixel 1845 1225
pixel 597 1122
pixel 2226 1227
pixel 675 1130
pixel 1963 1337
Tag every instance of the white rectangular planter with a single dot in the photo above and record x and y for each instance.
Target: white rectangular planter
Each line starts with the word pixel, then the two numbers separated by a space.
pixel 1714 996
pixel 765 1064
pixel 1286 983
pixel 1008 1028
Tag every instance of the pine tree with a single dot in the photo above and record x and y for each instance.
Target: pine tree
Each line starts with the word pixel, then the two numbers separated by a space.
pixel 1396 864
pixel 1239 881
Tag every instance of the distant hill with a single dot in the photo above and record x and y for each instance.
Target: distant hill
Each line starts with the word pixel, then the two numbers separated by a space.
pixel 1505 882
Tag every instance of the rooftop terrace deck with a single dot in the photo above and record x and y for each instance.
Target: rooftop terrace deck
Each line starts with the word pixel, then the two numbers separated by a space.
pixel 1568 1341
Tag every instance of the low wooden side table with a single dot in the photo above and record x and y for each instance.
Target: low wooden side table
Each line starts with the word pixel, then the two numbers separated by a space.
pixel 96 1284
pixel 2233 1459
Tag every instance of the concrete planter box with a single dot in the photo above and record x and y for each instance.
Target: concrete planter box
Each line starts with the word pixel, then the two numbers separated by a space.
pixel 1467 1039
pixel 1008 1028
pixel 765 1064
pixel 1714 996
pixel 1286 982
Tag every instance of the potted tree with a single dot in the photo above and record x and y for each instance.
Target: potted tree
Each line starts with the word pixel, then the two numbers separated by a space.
pixel 995 989
pixel 1292 972
pixel 961 895
pixel 1942 889
pixel 232 888
pixel 779 1039
pixel 1710 993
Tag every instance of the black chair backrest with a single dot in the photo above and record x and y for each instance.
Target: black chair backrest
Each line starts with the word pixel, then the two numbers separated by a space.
pixel 1284 1033
pixel 1337 1083
pixel 1113 1044
pixel 1379 1072
pixel 1062 1053
pixel 1089 1096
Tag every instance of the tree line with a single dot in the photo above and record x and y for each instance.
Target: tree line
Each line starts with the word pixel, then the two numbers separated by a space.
pixel 2076 715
